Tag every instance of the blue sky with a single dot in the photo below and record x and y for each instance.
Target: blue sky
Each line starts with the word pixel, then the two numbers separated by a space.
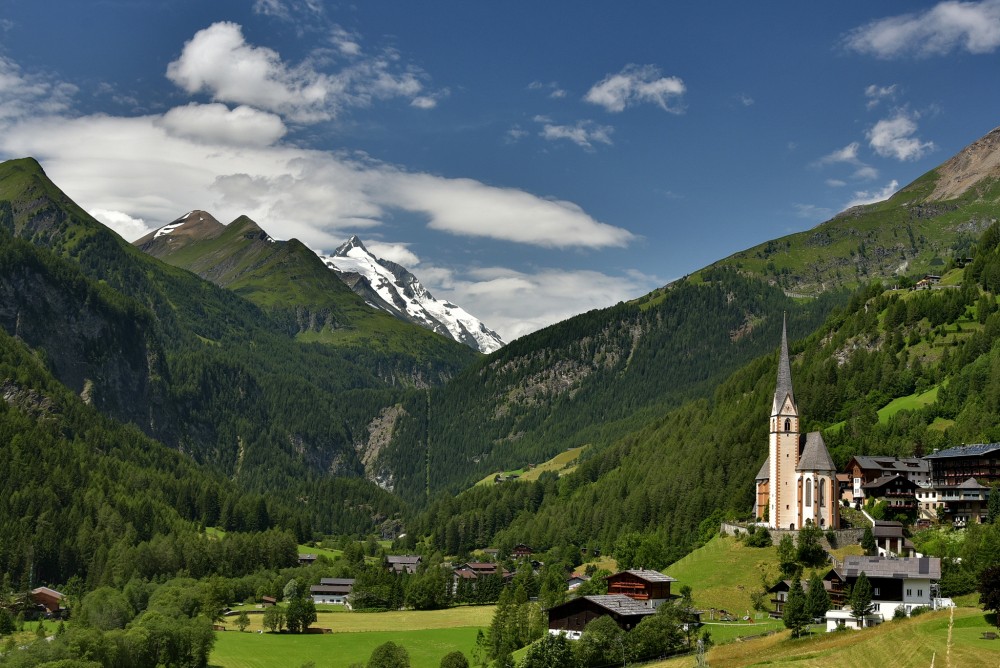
pixel 526 160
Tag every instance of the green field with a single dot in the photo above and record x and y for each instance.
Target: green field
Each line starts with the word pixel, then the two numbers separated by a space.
pixel 336 650
pixel 723 573
pixel 427 635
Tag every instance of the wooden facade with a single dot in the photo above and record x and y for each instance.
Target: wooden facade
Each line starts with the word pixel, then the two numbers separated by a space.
pixel 640 585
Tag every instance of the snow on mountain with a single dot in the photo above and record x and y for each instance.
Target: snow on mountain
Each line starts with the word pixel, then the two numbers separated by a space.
pixel 391 287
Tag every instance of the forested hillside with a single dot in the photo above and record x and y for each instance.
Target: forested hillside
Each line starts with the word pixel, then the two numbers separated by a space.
pixel 651 490
pixel 588 380
pixel 190 364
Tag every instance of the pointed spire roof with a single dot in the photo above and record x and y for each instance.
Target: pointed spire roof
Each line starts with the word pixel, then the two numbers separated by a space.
pixel 784 386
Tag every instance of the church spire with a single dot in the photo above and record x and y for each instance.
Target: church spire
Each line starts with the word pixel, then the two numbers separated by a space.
pixel 784 386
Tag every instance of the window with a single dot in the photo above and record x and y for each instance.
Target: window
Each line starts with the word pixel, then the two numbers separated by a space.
pixel 821 492
pixel 809 493
pixel 920 592
pixel 909 592
pixel 788 424
pixel 876 592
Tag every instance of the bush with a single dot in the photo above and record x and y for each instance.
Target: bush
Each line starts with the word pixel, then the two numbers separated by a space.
pixel 899 612
pixel 919 610
pixel 758 537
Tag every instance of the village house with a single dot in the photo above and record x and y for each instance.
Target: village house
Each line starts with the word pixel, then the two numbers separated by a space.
pixel 651 588
pixel 574 581
pixel 521 551
pixel 962 477
pixel 964 503
pixel 906 583
pixel 779 595
pixel 898 492
pixel 335 591
pixel 48 602
pixel 797 483
pixel 403 563
pixel 571 617
pixel 307 559
pixel 862 470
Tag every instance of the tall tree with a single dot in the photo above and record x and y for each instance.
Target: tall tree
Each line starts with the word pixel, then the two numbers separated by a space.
pixel 861 599
pixel 795 615
pixel 817 600
pixel 868 543
pixel 989 591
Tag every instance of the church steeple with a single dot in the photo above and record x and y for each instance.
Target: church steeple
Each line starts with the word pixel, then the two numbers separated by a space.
pixel 783 389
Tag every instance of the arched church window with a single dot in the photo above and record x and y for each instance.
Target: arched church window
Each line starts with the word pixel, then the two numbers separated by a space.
pixel 809 493
pixel 788 424
pixel 821 492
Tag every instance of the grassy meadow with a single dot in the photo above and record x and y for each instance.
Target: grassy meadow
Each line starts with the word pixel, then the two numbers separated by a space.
pixel 913 643
pixel 427 635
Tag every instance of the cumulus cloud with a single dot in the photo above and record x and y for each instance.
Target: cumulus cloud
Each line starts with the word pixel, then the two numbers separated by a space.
pixel 216 123
pixel 125 225
pixel 584 133
pixel 394 252
pixel 946 27
pixel 552 89
pixel 893 138
pixel 637 84
pixel 870 197
pixel 219 61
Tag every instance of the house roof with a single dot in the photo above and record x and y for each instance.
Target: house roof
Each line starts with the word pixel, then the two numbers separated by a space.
pixel 336 581
pixel 815 456
pixel 976 450
pixel 892 464
pixel 47 592
pixel 897 569
pixel 887 529
pixel 620 604
pixel 889 479
pixel 644 574
pixel 765 470
pixel 330 589
pixel 403 558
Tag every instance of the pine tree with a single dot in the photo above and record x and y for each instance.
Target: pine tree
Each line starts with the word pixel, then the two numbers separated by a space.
pixel 868 542
pixel 795 615
pixel 861 599
pixel 817 600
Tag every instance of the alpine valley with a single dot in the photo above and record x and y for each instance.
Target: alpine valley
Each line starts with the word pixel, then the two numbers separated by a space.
pixel 209 378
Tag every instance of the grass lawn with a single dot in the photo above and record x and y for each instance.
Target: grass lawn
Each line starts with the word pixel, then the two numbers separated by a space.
pixel 398 620
pixel 563 463
pixel 909 403
pixel 723 573
pixel 337 650
pixel 917 643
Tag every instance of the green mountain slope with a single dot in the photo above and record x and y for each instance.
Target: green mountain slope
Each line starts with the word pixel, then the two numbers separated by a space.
pixel 923 228
pixel 295 287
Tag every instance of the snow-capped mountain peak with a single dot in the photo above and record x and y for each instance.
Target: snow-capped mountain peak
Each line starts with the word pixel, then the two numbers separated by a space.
pixel 391 287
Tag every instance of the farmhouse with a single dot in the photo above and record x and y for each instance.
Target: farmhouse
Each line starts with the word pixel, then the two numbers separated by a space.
pixel 909 583
pixel 403 563
pixel 332 591
pixel 649 587
pixel 898 492
pixel 307 559
pixel 798 482
pixel 48 600
pixel 779 594
pixel 571 617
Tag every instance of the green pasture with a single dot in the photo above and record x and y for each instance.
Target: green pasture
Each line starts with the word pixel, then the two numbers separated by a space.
pixel 340 621
pixel 337 650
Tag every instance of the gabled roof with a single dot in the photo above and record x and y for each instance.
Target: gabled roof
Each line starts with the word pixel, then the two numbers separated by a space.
pixel 815 456
pixel 765 470
pixel 336 581
pixel 783 389
pixel 976 450
pixel 620 604
pixel 895 478
pixel 645 575
pixel 403 558
pixel 892 464
pixel 897 569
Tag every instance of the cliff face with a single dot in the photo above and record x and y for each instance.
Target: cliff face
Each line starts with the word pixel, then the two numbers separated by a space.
pixel 974 164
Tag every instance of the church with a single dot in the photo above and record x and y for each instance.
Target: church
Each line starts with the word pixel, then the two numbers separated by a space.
pixel 797 485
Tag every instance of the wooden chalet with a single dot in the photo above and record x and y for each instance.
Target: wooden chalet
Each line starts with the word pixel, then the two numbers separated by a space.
pixel 307 559
pixel 650 586
pixel 898 492
pixel 268 601
pixel 954 466
pixel 521 551
pixel 48 600
pixel 779 594
pixel 571 617
pixel 334 591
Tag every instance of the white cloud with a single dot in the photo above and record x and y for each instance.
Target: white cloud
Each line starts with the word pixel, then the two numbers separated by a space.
pixel 394 252
pixel 948 26
pixel 836 183
pixel 515 134
pixel 125 225
pixel 552 88
pixel 584 133
pixel 876 94
pixel 516 303
pixel 745 100
pixel 636 84
pixel 219 61
pixel 865 173
pixel 216 123
pixel 347 43
pixel 892 138
pixel 848 154
pixel 870 197
pixel 23 94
